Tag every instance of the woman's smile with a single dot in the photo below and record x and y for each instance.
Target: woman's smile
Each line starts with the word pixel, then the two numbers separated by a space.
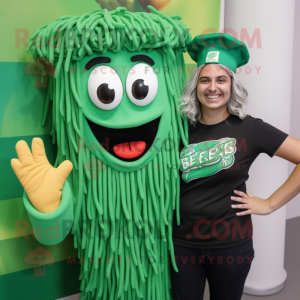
pixel 213 97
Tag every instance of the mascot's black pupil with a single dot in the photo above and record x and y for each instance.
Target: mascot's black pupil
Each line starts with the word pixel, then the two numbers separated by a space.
pixel 139 90
pixel 105 94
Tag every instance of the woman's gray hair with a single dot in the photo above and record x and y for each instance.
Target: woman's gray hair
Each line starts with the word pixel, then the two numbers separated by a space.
pixel 190 105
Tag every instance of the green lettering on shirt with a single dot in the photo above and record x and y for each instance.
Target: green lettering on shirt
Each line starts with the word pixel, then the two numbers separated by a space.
pixel 207 158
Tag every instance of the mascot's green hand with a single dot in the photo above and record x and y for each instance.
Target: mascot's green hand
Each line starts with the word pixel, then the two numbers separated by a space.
pixel 41 181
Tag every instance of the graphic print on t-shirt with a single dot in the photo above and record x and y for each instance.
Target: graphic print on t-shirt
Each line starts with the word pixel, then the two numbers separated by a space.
pixel 207 158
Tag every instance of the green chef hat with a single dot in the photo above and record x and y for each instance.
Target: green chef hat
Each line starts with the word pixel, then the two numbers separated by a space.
pixel 218 48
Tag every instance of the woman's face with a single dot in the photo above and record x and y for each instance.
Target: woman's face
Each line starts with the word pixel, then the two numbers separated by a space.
pixel 213 87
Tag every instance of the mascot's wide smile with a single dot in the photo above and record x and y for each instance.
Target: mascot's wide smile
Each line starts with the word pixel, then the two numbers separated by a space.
pixel 127 144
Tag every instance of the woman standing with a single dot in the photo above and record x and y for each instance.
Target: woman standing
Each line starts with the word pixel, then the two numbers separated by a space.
pixel 214 238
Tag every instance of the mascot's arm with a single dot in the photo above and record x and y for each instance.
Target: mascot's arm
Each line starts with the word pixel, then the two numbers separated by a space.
pixel 47 196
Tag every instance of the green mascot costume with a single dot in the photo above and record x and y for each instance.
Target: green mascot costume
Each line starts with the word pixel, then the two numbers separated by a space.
pixel 113 106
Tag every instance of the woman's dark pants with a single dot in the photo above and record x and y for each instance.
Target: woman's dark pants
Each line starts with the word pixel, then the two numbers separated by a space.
pixel 225 269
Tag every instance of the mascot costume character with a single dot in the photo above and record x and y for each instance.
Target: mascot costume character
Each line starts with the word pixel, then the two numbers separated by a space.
pixel 113 105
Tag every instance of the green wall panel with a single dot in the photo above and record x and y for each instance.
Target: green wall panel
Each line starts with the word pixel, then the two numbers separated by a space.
pixel 60 280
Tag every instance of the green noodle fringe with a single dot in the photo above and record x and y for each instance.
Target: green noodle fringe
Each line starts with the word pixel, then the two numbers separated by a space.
pixel 122 221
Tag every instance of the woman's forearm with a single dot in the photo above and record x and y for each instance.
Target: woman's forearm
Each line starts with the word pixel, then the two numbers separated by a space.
pixel 287 191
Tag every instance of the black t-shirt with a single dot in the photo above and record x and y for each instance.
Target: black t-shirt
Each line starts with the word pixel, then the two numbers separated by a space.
pixel 215 163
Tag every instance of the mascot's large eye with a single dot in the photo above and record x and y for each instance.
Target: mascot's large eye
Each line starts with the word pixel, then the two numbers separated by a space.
pixel 105 87
pixel 141 84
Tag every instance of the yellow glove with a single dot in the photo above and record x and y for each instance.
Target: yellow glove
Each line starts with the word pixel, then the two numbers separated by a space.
pixel 41 181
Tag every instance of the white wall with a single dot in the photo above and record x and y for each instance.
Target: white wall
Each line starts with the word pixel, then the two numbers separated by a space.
pixel 270 93
pixel 293 207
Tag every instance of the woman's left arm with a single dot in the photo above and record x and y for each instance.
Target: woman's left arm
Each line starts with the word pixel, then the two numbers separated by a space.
pixel 289 150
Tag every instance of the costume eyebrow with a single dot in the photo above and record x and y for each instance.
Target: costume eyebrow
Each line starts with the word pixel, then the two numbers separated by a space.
pixel 143 58
pixel 96 61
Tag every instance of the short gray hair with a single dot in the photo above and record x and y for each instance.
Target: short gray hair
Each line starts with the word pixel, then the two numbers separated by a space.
pixel 190 105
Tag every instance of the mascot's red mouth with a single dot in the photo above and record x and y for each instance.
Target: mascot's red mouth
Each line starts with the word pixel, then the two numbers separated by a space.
pixel 128 144
pixel 130 150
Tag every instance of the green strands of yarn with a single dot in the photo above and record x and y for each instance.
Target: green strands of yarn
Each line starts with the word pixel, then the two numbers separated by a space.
pixel 141 187
pixel 96 250
pixel 156 174
pixel 165 167
pixel 100 193
pixel 121 236
pixel 77 36
pixel 136 214
pixel 164 206
pixel 73 85
pixel 113 209
pixel 56 110
pixel 173 154
pixel 62 108
pixel 123 196
pixel 118 196
pixel 152 191
pixel 174 192
pixel 67 97
pixel 79 192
